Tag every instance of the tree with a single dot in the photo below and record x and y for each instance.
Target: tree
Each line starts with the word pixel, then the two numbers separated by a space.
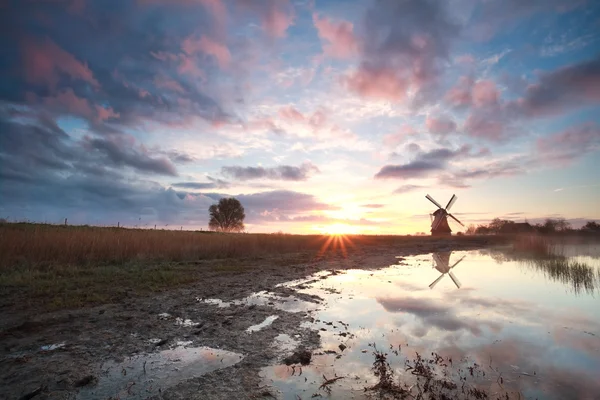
pixel 592 226
pixel 227 216
pixel 471 230
pixel 554 225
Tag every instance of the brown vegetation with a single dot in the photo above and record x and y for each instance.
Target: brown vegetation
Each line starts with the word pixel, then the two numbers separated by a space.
pixel 57 266
pixel 35 244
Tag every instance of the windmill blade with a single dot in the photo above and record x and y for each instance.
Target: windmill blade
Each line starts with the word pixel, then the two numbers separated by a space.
pixel 456 281
pixel 431 286
pixel 428 197
pixel 451 202
pixel 454 218
pixel 456 263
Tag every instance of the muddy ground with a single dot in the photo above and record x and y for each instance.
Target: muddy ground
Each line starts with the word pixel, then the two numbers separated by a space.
pixel 93 336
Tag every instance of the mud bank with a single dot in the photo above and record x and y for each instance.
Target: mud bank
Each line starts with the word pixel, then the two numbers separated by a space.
pixel 139 347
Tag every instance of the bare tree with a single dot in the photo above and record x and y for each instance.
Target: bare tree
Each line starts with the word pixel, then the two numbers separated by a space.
pixel 227 216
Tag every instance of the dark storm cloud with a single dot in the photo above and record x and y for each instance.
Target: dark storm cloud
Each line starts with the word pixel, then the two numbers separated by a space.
pixel 564 89
pixel 282 172
pixel 120 155
pixel 213 184
pixel 424 164
pixel 113 61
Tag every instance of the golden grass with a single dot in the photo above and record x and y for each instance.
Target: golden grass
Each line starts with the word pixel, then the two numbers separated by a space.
pixel 54 267
pixel 39 244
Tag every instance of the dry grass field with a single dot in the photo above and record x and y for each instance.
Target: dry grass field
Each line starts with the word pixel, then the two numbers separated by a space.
pixel 56 266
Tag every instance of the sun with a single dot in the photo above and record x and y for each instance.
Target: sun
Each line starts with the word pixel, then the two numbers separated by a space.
pixel 340 229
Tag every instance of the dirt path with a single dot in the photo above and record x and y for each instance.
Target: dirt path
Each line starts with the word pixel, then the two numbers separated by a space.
pixel 81 343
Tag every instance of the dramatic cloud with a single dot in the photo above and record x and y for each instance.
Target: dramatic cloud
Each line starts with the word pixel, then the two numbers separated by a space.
pixel 424 164
pixel 114 150
pixel 282 172
pixel 43 61
pixel 405 44
pixel 564 89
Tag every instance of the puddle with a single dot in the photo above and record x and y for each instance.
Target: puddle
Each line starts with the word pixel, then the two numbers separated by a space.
pixel 532 322
pixel 186 322
pixel 264 298
pixel 144 376
pixel 285 343
pixel 51 347
pixel 268 321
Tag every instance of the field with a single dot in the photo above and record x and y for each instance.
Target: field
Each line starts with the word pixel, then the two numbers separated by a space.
pixel 55 266
pixel 80 302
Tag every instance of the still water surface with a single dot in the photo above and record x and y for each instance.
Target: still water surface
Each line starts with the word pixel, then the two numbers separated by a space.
pixel 532 326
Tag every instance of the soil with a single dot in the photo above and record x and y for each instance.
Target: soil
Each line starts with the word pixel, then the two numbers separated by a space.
pixel 86 338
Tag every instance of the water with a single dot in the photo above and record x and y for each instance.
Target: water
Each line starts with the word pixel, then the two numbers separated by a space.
pixel 268 321
pixel 529 327
pixel 143 376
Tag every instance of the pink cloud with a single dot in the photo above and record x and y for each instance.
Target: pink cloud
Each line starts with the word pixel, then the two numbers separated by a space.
pixel 277 21
pixel 276 15
pixel 566 146
pixel 318 119
pixel 485 93
pixel 482 126
pixel 394 139
pixel 377 83
pixel 43 60
pixel 465 59
pixel 290 113
pixel 188 66
pixel 441 125
pixel 104 113
pixel 458 96
pixel 168 83
pixel 68 101
pixel 467 92
pixel 339 36
pixel 208 46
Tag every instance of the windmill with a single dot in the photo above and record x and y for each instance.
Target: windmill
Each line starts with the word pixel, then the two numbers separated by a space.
pixel 439 224
pixel 442 264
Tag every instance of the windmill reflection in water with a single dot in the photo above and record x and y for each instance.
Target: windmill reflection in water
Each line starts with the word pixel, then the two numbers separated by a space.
pixel 442 264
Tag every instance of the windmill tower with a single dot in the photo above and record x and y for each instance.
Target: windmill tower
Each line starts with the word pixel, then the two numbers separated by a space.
pixel 442 264
pixel 439 223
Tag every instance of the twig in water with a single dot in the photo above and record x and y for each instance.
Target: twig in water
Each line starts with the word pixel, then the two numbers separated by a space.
pixel 325 385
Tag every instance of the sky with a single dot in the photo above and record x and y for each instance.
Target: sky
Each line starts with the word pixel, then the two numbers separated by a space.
pixel 318 115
